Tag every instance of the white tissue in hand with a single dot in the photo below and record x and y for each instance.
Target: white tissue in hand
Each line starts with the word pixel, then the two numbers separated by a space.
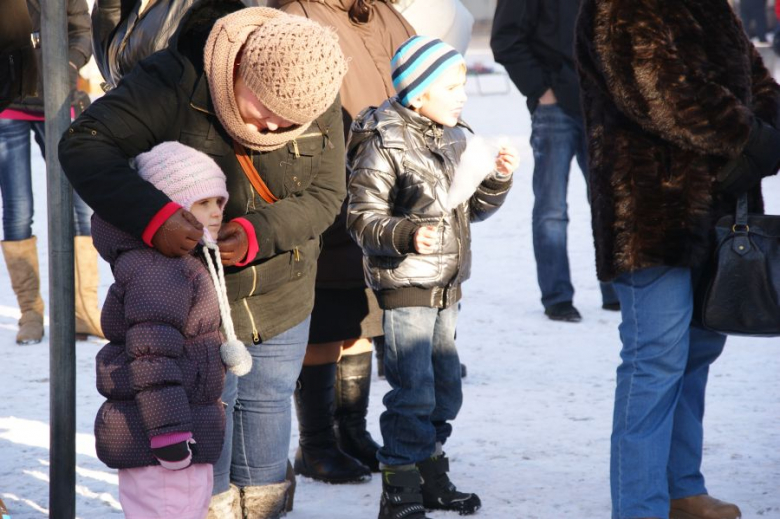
pixel 477 162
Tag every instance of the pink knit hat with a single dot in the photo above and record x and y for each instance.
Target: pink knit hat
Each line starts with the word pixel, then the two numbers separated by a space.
pixel 185 174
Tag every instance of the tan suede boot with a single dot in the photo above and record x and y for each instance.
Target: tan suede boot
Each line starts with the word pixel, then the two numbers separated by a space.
pixel 86 280
pixel 703 507
pixel 264 502
pixel 21 258
pixel 226 505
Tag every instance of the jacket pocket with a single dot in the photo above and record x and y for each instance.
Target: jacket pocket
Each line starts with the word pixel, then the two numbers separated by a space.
pixel 303 160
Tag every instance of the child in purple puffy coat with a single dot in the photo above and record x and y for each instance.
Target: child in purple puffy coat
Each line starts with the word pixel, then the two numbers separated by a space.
pixel 163 372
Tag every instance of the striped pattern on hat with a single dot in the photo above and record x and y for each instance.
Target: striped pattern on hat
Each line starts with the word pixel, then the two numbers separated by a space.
pixel 418 62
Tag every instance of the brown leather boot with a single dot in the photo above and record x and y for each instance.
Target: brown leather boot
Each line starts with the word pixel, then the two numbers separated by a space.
pixel 21 258
pixel 86 280
pixel 702 507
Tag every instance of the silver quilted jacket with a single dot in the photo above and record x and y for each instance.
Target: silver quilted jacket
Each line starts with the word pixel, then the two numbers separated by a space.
pixel 402 165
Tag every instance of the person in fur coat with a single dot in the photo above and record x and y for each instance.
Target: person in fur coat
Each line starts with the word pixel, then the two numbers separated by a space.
pixel 682 116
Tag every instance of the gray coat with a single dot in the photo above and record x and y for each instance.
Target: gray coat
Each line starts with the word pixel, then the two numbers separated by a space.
pixel 402 167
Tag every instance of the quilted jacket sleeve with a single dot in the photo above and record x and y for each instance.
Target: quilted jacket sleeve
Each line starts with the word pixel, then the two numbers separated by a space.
pixel 490 195
pixel 157 301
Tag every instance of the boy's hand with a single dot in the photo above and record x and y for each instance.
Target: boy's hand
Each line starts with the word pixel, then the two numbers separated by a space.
pixel 178 235
pixel 507 160
pixel 426 239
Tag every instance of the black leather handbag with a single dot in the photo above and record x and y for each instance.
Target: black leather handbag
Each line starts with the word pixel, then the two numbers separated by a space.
pixel 739 293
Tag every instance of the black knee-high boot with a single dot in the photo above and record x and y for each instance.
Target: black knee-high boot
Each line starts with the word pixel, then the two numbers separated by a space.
pixel 353 382
pixel 319 456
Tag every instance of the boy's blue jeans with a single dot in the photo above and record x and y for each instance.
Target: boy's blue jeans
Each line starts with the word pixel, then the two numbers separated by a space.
pixel 16 181
pixel 659 402
pixel 556 137
pixel 423 369
pixel 257 429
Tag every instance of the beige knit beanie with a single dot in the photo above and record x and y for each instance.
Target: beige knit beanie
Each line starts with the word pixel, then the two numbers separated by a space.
pixel 293 65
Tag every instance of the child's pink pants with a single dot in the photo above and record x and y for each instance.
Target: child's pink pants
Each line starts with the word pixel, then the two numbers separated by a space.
pixel 158 493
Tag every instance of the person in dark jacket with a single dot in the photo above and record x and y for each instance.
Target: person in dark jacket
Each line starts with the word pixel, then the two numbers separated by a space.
pixel 682 117
pixel 336 378
pixel 162 373
pixel 276 133
pixel 20 248
pixel 403 156
pixel 534 41
pixel 753 13
pixel 126 31
pixel 18 69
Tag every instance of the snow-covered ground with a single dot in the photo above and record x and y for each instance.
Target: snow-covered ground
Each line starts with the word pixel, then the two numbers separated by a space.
pixel 533 436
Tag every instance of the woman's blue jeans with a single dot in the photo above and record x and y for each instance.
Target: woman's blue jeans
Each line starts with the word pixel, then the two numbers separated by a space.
pixel 657 429
pixel 423 370
pixel 16 181
pixel 257 431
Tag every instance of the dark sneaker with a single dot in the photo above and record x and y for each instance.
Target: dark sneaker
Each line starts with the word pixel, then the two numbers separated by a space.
pixel 612 307
pixel 438 492
pixel 563 312
pixel 401 495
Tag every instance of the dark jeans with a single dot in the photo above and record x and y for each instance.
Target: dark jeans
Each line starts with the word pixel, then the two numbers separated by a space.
pixel 423 369
pixel 556 137
pixel 257 430
pixel 16 181
pixel 753 14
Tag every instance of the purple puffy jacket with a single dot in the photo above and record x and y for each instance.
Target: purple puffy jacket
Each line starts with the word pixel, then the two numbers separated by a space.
pixel 161 372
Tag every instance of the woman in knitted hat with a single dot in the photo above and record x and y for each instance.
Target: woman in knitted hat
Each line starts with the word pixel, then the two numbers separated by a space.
pixel 256 90
pixel 162 373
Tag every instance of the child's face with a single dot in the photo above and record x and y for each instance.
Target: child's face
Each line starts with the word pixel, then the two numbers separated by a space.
pixel 208 211
pixel 256 116
pixel 443 101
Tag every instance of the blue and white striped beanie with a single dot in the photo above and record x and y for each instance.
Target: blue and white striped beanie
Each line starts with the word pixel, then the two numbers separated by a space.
pixel 418 62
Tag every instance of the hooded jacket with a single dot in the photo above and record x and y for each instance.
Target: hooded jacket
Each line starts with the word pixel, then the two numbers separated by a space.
pixel 79 51
pixel 669 90
pixel 402 167
pixel 166 98
pixel 161 372
pixel 370 47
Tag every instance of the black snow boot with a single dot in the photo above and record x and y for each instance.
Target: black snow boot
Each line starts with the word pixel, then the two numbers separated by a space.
pixel 401 497
pixel 319 456
pixel 353 382
pixel 439 493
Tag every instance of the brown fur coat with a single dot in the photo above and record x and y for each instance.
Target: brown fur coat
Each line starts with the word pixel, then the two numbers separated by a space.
pixel 669 90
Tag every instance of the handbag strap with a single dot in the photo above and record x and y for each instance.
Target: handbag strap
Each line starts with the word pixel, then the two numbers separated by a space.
pixel 251 173
pixel 741 219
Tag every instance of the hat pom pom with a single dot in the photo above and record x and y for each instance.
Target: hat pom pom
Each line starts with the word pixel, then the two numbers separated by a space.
pixel 236 357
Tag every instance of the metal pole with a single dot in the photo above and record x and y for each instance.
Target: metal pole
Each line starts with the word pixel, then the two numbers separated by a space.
pixel 62 345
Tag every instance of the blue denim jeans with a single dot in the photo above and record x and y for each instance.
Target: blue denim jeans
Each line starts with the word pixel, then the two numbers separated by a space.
pixel 556 137
pixel 16 181
pixel 659 401
pixel 257 430
pixel 423 370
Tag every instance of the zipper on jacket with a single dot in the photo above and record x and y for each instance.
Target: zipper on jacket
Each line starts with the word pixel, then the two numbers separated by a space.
pixel 255 334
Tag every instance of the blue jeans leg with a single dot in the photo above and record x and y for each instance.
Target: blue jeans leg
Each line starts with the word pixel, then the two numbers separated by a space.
pixel 16 181
pixel 258 413
pixel 423 369
pixel 657 431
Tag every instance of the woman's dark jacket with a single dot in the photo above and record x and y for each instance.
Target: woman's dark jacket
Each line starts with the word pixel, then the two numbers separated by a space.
pixel 161 372
pixel 669 91
pixel 18 68
pixel 402 168
pixel 534 41
pixel 165 98
pixel 79 49
pixel 121 38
